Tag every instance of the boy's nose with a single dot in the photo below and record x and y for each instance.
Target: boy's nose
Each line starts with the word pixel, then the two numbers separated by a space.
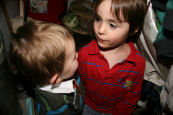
pixel 76 55
pixel 101 29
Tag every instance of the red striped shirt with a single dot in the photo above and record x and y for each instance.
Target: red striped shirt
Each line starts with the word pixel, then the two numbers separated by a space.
pixel 114 90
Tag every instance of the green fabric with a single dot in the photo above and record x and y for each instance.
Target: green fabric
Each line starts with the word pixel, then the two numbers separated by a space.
pixel 66 100
pixel 81 14
pixel 169 4
pixel 45 103
pixel 164 40
pixel 160 15
pixel 71 20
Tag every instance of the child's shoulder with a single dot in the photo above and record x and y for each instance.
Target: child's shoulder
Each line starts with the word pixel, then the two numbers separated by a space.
pixel 135 51
pixel 141 62
pixel 139 58
pixel 86 48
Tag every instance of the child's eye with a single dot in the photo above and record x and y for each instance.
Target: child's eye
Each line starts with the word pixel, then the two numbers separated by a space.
pixel 113 25
pixel 97 19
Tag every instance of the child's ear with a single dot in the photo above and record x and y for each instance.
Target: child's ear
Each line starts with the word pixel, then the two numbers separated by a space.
pixel 55 79
pixel 136 31
pixel 132 33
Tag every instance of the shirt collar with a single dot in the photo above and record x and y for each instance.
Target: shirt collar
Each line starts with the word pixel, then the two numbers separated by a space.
pixel 94 50
pixel 133 51
pixel 63 87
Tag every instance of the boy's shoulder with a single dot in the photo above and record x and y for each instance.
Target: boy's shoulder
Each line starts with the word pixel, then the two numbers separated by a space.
pixel 139 59
pixel 135 50
pixel 57 100
pixel 136 55
pixel 85 49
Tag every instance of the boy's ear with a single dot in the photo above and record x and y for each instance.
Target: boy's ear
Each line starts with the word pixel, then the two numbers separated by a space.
pixel 136 31
pixel 132 33
pixel 55 79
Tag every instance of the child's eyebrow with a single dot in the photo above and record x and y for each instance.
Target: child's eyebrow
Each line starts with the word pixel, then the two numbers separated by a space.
pixel 111 20
pixel 114 21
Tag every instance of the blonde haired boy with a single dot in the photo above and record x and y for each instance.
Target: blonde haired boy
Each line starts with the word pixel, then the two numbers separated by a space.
pixel 45 55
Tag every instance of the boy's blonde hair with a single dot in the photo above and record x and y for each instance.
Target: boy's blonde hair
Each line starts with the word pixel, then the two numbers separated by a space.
pixel 37 50
pixel 133 12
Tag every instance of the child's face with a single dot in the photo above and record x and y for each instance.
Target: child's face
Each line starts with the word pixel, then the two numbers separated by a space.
pixel 70 62
pixel 109 32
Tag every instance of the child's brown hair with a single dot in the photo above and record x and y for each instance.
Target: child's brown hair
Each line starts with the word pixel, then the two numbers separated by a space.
pixel 133 12
pixel 37 50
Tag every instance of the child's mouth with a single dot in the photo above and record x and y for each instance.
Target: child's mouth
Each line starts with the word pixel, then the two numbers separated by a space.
pixel 100 40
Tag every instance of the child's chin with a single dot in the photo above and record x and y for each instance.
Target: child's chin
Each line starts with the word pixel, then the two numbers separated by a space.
pixel 102 46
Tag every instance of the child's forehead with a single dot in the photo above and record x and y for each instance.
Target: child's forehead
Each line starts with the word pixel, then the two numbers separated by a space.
pixel 106 8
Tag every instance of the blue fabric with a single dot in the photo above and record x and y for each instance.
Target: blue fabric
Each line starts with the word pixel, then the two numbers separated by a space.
pixel 62 109
pixel 38 108
pixel 89 111
pixel 29 106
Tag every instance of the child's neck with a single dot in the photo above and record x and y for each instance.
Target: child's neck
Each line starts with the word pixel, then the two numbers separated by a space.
pixel 116 55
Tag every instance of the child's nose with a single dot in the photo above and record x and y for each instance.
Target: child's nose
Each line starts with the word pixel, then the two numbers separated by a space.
pixel 76 55
pixel 101 29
